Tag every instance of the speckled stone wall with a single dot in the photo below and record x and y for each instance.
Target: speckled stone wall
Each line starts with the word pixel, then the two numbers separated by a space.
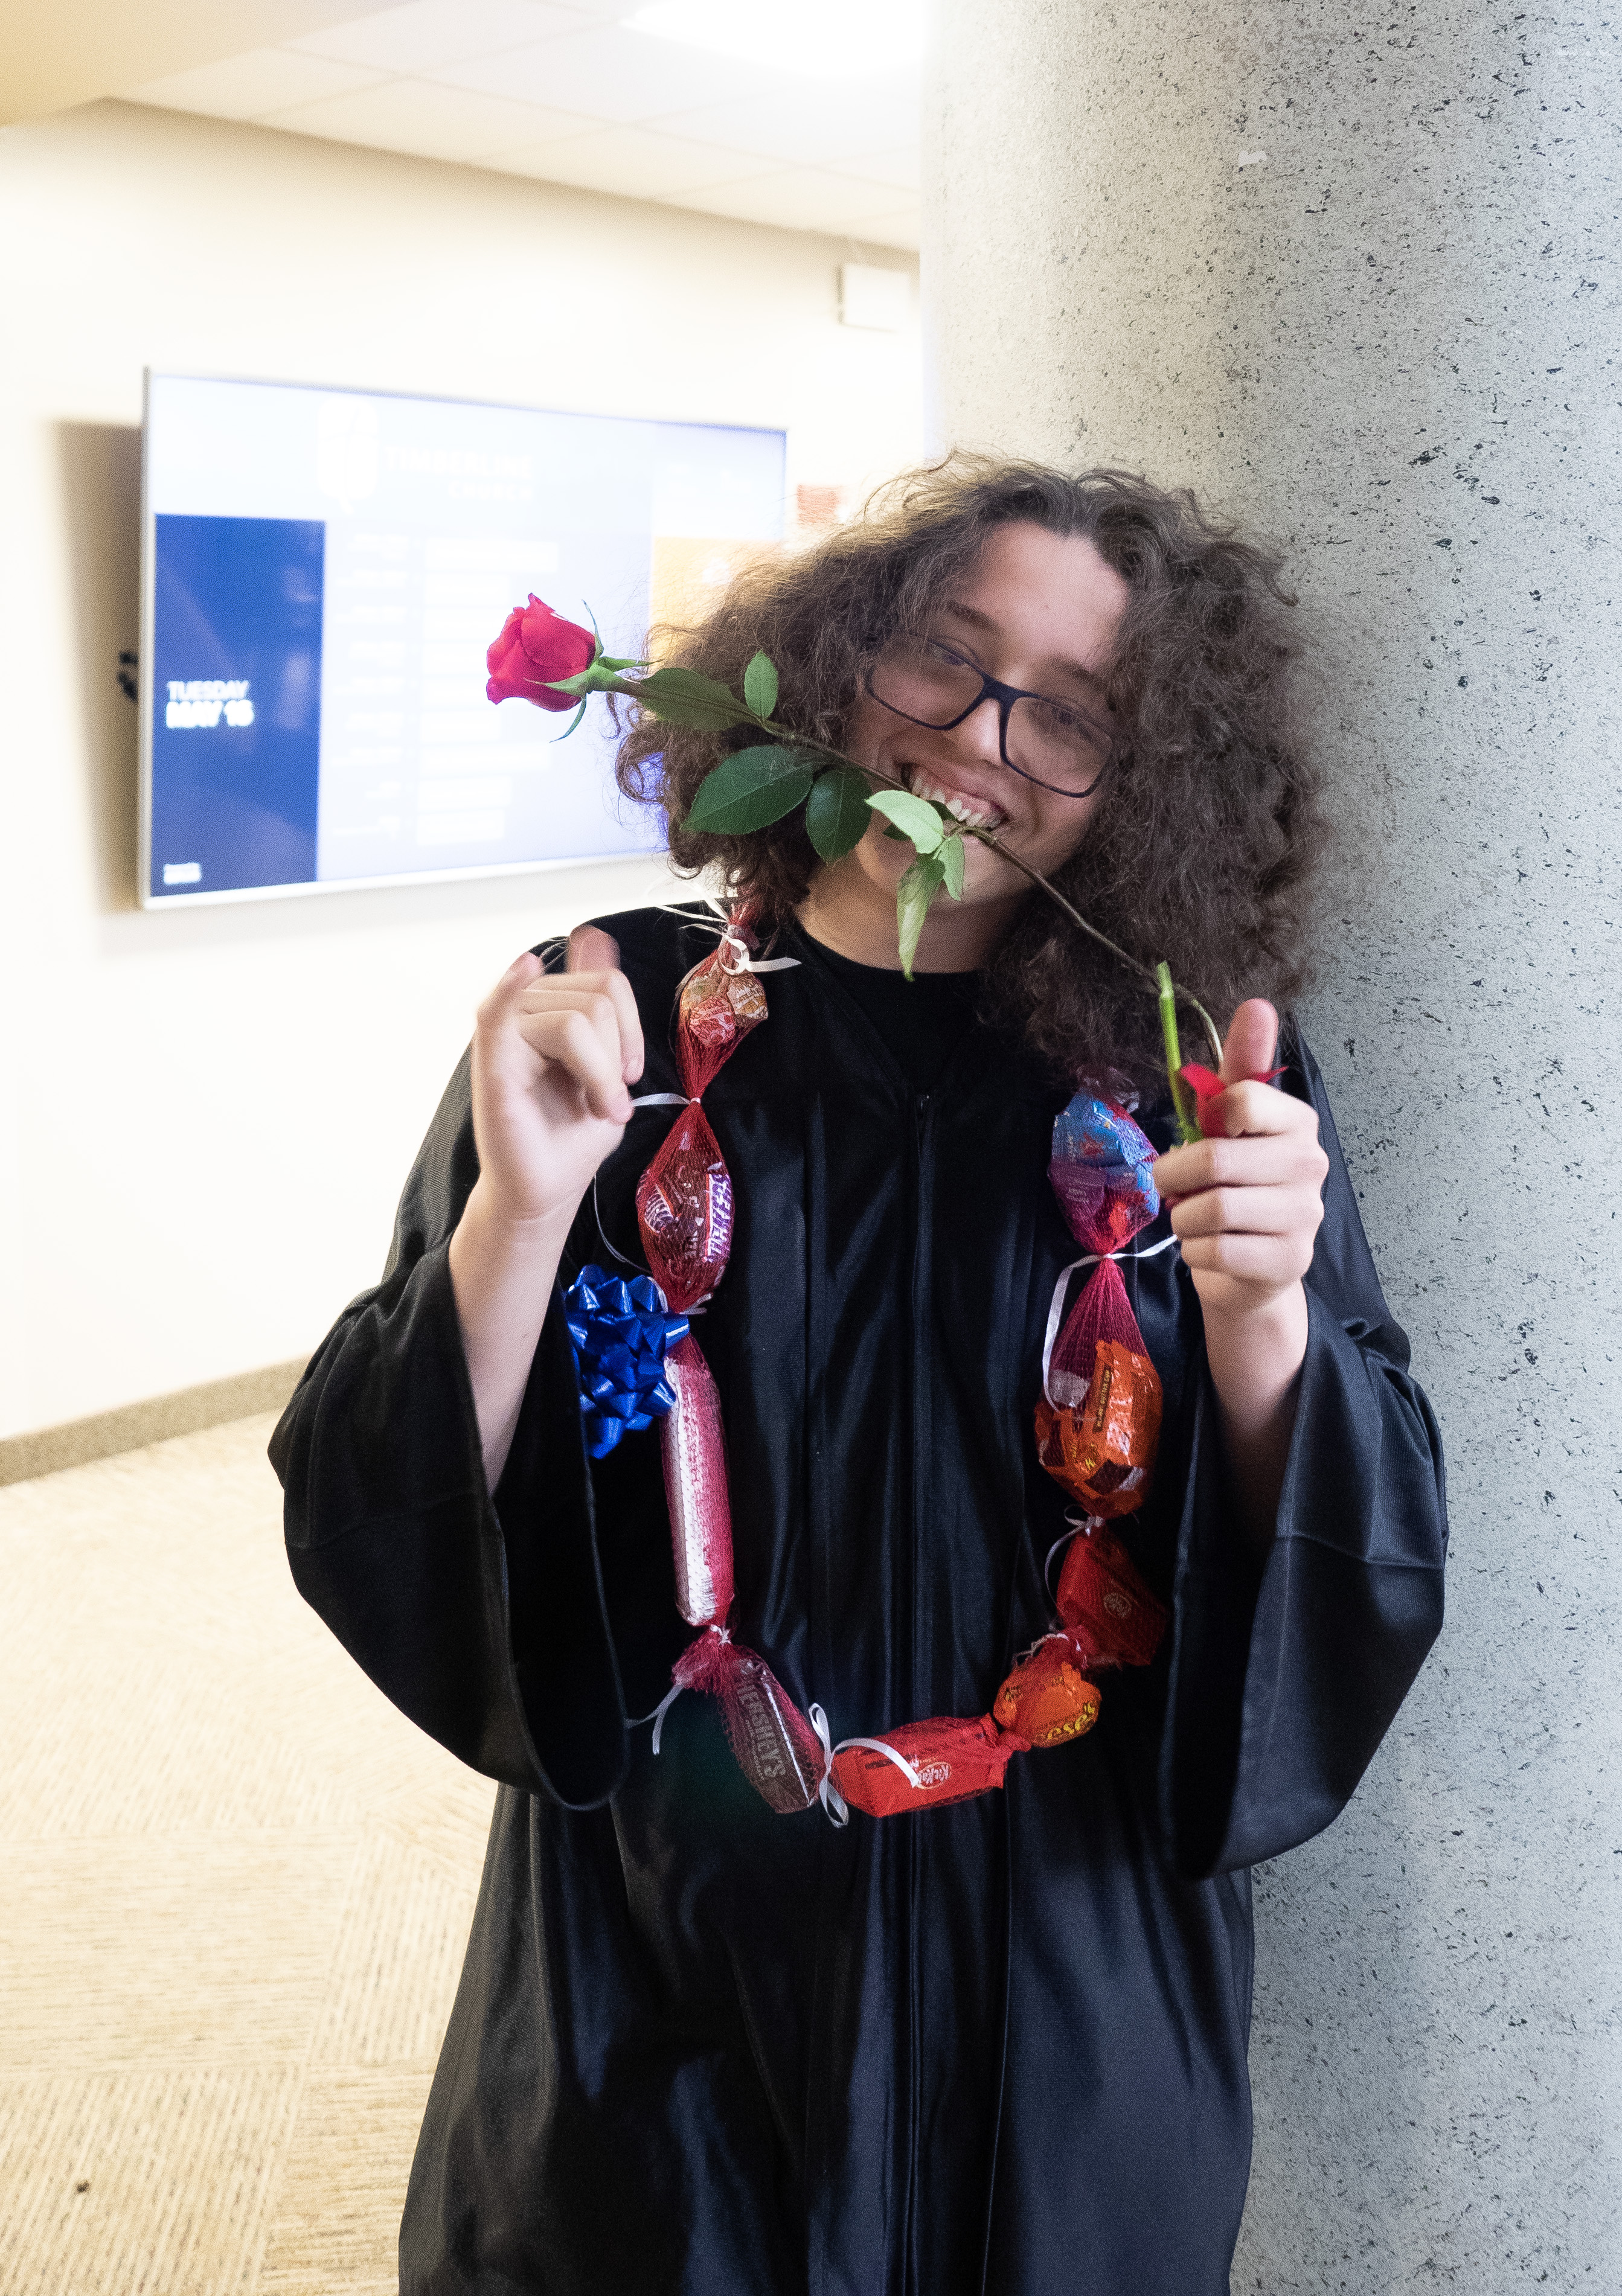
pixel 1354 277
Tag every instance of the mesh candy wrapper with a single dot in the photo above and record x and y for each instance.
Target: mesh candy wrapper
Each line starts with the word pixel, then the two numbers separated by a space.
pixel 1098 1420
pixel 1108 1612
pixel 694 1459
pixel 684 1209
pixel 774 1745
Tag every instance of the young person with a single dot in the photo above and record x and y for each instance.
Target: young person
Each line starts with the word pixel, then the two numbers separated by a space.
pixel 999 2045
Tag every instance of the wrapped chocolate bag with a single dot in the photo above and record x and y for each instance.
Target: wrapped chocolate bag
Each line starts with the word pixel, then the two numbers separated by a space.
pixel 774 1745
pixel 1105 1604
pixel 694 1459
pixel 1046 1700
pixel 1098 1423
pixel 716 1007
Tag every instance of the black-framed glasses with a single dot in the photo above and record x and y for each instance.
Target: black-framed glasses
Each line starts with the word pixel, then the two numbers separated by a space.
pixel 1053 744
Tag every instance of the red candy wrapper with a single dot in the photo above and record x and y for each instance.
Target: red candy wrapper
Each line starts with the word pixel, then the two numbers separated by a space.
pixel 684 1209
pixel 1105 1603
pixel 1048 1700
pixel 693 1448
pixel 952 1760
pixel 716 1011
pixel 775 1746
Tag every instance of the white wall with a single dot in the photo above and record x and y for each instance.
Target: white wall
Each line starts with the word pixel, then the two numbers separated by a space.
pixel 206 1115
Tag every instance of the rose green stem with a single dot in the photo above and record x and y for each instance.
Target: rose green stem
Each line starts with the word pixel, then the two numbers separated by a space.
pixel 1188 1127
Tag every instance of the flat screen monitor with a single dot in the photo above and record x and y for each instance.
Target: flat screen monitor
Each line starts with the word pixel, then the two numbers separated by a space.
pixel 322 571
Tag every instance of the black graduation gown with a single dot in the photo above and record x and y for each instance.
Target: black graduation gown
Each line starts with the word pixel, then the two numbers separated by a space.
pixel 1001 2046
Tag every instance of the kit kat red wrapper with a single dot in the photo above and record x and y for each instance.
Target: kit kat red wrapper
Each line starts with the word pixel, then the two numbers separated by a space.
pixel 952 1759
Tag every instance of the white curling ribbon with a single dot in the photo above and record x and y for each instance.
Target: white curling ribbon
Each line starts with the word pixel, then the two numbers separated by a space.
pixel 692 1447
pixel 1055 1313
pixel 1087 1522
pixel 663 1709
pixel 729 940
pixel 834 1803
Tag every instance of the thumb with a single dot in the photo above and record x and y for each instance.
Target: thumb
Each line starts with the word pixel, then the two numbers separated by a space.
pixel 592 950
pixel 1253 1036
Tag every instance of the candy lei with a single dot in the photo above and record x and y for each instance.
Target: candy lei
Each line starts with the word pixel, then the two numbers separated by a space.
pixel 1097 1426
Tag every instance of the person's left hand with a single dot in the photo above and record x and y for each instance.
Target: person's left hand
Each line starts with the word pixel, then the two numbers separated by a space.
pixel 1246 1202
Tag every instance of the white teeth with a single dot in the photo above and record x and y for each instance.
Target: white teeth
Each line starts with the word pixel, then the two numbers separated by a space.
pixel 959 807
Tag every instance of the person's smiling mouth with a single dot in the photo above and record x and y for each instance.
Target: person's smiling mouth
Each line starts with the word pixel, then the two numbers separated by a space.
pixel 974 810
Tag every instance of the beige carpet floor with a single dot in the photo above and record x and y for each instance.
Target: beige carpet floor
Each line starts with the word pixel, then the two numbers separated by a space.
pixel 234 1891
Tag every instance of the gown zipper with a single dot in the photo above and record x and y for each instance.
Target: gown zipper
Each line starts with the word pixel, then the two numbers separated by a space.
pixel 922 1277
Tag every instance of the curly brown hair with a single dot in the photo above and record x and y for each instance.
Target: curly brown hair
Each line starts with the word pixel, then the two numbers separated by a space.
pixel 1208 830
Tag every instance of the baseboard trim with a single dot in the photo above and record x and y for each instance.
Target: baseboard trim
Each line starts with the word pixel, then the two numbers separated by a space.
pixel 106 1433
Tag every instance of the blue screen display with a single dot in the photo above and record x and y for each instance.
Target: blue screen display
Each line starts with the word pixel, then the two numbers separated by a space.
pixel 323 573
pixel 237 718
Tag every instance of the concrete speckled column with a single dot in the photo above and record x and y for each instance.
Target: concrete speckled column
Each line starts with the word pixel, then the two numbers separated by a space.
pixel 1354 277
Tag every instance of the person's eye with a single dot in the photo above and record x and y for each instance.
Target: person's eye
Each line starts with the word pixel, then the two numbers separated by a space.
pixel 938 650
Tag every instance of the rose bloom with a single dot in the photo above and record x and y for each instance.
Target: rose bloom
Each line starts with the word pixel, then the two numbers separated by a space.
pixel 535 646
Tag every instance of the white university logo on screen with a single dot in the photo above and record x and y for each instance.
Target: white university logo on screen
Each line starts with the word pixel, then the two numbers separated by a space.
pixel 205 700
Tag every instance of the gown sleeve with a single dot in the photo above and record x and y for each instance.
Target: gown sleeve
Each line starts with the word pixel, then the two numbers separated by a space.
pixel 1285 1676
pixel 480 1616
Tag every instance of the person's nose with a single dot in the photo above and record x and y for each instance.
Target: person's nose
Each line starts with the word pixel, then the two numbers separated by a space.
pixel 980 735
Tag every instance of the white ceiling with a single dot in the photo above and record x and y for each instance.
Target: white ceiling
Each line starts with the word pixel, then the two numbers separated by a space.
pixel 825 139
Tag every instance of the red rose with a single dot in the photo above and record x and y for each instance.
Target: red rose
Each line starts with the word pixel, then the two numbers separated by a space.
pixel 535 646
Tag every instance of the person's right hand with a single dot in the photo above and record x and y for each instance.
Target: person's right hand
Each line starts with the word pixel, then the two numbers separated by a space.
pixel 553 1055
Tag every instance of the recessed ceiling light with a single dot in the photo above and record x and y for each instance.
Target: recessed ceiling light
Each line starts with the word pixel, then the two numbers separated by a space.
pixel 824 39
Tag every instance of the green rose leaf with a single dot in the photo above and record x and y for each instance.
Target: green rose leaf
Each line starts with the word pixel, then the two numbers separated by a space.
pixel 681 697
pixel 750 791
pixel 918 887
pixel 952 860
pixel 761 685
pixel 836 814
pixel 914 817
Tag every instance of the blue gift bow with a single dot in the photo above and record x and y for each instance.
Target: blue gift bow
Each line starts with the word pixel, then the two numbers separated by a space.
pixel 621 1335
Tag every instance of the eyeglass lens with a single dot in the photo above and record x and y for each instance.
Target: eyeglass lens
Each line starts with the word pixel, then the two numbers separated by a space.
pixel 932 685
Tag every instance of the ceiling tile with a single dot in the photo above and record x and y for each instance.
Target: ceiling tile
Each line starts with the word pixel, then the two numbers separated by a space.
pixel 798 198
pixel 618 75
pixel 259 80
pixel 901 168
pixel 636 163
pixel 429 33
pixel 810 123
pixel 421 117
